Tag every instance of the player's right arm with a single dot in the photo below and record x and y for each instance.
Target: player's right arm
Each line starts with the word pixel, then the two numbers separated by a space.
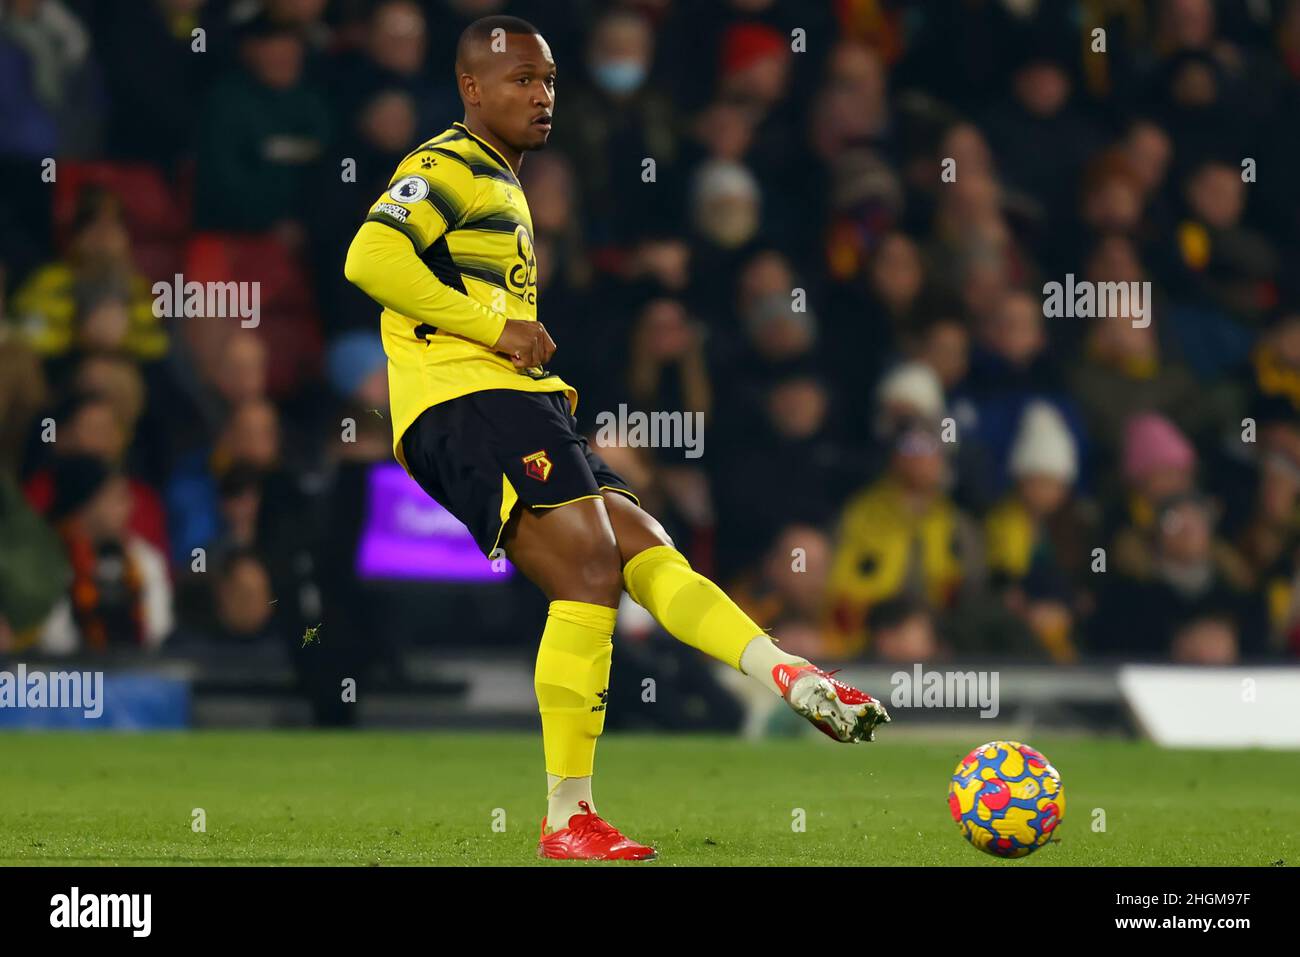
pixel 419 207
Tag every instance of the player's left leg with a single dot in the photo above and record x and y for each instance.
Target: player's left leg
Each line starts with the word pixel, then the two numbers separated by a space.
pixel 696 611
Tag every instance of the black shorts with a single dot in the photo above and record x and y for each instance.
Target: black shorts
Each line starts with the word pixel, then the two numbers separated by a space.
pixel 480 455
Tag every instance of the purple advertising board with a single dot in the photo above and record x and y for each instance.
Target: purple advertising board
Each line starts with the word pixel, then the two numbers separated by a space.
pixel 408 535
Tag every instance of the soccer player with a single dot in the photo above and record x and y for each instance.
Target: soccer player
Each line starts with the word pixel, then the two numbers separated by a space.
pixel 485 430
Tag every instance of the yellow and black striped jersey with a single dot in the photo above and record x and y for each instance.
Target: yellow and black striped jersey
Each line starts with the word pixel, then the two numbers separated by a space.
pixel 458 202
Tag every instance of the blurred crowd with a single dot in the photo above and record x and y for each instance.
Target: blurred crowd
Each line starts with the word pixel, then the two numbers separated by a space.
pixel 838 260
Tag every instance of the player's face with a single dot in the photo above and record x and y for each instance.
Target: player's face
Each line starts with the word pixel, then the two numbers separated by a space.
pixel 520 95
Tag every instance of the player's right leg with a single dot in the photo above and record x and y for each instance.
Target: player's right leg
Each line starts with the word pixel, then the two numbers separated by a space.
pixel 509 465
pixel 570 553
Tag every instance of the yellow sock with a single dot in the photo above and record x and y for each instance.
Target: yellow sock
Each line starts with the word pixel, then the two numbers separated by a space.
pixel 689 606
pixel 572 682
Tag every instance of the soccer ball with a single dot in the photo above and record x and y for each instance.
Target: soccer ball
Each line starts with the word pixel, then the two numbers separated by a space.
pixel 1006 798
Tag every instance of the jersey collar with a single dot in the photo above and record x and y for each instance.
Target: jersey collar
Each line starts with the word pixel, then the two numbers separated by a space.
pixel 487 147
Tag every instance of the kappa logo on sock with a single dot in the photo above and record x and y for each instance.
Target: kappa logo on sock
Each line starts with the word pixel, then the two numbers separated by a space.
pixel 603 695
pixel 538 465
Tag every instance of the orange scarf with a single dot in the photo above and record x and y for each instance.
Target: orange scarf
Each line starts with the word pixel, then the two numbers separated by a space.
pixel 94 620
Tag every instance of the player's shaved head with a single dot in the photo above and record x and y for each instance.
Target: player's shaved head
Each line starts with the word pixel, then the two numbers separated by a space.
pixel 505 75
pixel 475 43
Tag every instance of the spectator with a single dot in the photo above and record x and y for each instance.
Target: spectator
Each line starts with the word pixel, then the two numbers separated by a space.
pixel 154 75
pixel 1036 540
pixel 1272 528
pixel 616 122
pixel 725 210
pixel 1122 373
pixel 666 368
pixel 1158 464
pixel 1039 132
pixel 1264 527
pixel 303 17
pixel 726 204
pixel 904 632
pixel 910 391
pixel 391 60
pixel 58 52
pixel 29 129
pixel 899 537
pixel 94 424
pixel 943 343
pixel 1275 360
pixel 1113 194
pixel 244 608
pixel 94 298
pixel 23 392
pixel 250 437
pixel 796 446
pixel 1010 367
pixel 120 595
pixel 553 196
pixel 778 329
pixel 1219 260
pixel 1189 608
pixel 264 126
pixel 1196 92
pixel 34 572
pixel 881 301
pixel 786 592
pixel 723 131
pixel 384 127
pixel 1149 152
pixel 755 66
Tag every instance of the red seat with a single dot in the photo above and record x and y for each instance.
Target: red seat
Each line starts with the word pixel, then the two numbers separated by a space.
pixel 288 321
pixel 159 259
pixel 155 218
pixel 149 203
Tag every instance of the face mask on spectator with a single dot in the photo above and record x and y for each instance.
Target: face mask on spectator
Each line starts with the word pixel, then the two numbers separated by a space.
pixel 619 77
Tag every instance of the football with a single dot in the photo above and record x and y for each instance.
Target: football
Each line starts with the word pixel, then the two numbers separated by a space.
pixel 1006 798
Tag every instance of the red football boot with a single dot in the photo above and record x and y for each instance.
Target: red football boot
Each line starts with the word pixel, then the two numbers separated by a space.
pixel 835 709
pixel 590 837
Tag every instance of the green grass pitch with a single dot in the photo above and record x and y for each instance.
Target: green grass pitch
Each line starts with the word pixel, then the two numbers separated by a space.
pixel 412 798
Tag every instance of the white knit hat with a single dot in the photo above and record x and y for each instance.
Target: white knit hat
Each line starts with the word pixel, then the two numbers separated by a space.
pixel 913 384
pixel 1044 445
pixel 716 179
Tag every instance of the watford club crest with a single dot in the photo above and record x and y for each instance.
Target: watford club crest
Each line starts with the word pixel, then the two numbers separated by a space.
pixel 538 466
